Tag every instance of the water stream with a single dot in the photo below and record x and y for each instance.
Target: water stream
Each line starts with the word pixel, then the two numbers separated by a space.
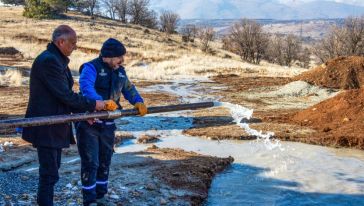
pixel 265 171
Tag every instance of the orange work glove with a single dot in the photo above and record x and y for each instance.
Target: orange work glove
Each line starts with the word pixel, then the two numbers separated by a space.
pixel 141 108
pixel 110 105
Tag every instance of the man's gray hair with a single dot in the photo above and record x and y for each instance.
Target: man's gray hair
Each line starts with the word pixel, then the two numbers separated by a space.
pixel 62 31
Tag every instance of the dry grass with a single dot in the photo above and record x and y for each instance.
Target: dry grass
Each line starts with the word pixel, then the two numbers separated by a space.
pixel 151 54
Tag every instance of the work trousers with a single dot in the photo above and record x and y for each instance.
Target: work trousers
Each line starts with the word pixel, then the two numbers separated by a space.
pixel 49 163
pixel 95 146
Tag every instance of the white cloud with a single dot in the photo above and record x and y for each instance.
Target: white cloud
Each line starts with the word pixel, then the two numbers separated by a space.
pixel 352 2
pixel 268 9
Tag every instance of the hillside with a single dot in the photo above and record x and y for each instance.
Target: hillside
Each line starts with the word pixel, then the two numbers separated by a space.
pixel 165 57
pixel 173 158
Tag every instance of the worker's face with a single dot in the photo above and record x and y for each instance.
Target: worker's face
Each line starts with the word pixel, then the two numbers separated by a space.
pixel 67 44
pixel 114 62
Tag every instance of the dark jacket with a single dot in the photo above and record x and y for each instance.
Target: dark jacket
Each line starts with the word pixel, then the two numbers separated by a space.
pixel 51 94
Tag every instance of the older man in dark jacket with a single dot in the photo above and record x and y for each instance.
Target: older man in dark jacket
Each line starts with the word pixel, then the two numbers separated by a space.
pixel 51 94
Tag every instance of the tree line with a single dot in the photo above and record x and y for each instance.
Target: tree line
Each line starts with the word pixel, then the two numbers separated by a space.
pixel 245 38
pixel 127 11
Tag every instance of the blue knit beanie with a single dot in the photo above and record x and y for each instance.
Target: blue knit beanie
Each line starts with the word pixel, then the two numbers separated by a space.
pixel 112 48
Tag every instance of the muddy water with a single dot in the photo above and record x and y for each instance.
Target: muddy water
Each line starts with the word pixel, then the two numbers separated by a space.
pixel 265 172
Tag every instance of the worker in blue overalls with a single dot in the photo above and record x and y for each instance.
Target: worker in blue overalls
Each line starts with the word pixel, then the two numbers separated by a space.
pixel 102 79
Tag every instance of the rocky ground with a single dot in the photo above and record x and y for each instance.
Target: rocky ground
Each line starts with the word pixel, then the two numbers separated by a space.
pixel 151 177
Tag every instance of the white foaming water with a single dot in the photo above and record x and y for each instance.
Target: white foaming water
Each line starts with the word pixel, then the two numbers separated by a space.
pixel 239 114
pixel 265 171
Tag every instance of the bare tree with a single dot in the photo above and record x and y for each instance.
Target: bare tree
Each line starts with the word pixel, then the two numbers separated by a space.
pixel 189 31
pixel 150 19
pixel 140 13
pixel 274 51
pixel 286 50
pixel 246 38
pixel 291 49
pixel 122 10
pixel 331 46
pixel 206 34
pixel 168 21
pixel 305 57
pixel 89 6
pixel 111 7
pixel 342 41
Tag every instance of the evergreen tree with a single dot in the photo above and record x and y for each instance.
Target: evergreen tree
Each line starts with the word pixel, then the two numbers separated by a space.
pixel 38 9
pixel 59 6
pixel 41 9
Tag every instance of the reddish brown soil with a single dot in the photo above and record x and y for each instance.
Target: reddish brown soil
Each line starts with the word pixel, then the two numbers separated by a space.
pixel 146 139
pixel 338 73
pixel 336 122
pixel 339 121
pixel 238 83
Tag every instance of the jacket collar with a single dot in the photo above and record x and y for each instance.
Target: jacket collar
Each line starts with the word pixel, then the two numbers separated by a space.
pixel 105 64
pixel 54 49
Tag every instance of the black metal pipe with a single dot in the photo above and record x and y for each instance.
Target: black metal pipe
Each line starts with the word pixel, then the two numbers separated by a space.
pixel 59 119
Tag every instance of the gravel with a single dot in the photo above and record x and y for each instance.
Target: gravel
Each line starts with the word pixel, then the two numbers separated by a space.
pixel 301 89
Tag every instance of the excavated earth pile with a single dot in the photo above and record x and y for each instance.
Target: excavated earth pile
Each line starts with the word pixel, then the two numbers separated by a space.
pixel 338 120
pixel 338 73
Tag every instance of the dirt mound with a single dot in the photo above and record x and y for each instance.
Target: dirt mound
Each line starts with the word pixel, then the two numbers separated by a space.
pixel 9 51
pixel 300 89
pixel 340 120
pixel 338 73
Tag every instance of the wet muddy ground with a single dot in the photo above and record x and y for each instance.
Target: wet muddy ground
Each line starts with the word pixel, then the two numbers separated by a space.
pixel 150 177
pixel 155 176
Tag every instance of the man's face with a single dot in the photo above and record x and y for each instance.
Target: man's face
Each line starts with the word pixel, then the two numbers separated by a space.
pixel 114 62
pixel 68 44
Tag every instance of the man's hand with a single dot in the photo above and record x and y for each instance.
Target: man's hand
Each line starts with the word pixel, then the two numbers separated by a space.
pixel 91 121
pixel 141 108
pixel 110 105
pixel 100 105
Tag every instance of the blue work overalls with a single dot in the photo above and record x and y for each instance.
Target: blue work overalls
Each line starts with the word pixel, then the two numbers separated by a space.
pixel 95 142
